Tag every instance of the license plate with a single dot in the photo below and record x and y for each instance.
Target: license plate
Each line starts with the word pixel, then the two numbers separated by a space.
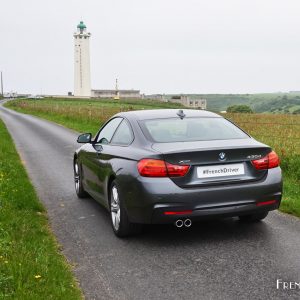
pixel 220 171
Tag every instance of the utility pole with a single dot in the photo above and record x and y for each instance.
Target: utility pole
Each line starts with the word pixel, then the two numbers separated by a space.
pixel 2 85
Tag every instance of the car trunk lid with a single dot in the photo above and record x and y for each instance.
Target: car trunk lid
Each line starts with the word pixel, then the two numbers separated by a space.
pixel 215 162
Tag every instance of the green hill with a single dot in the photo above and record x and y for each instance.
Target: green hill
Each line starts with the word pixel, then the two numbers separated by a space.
pixel 268 102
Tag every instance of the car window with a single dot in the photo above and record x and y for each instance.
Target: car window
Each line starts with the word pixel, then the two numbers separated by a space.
pixel 108 131
pixel 192 129
pixel 123 135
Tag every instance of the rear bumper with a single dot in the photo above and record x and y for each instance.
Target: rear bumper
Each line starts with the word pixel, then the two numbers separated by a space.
pixel 232 210
pixel 149 199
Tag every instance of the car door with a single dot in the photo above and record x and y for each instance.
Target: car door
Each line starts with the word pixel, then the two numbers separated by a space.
pixel 113 156
pixel 94 161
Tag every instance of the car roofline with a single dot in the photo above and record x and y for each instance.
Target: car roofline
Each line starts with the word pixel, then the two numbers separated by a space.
pixel 167 113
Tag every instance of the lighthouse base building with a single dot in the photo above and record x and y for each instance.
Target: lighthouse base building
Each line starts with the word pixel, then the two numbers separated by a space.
pixel 113 93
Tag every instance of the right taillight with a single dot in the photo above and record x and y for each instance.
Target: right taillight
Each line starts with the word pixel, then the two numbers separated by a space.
pixel 268 162
pixel 148 167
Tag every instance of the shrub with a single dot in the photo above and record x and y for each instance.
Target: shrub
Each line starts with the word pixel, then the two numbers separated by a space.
pixel 240 109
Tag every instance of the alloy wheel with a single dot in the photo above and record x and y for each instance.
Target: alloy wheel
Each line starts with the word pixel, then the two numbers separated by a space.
pixel 115 208
pixel 76 177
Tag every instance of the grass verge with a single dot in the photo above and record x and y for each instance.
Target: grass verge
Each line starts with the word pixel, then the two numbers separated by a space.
pixel 281 132
pixel 31 266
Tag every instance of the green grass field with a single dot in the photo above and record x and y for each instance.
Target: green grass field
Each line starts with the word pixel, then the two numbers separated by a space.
pixel 280 131
pixel 31 266
pixel 82 115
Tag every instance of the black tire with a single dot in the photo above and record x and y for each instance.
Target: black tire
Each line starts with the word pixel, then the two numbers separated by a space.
pixel 121 225
pixel 80 192
pixel 253 217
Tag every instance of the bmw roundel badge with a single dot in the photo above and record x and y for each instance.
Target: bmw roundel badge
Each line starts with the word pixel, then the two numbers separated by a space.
pixel 222 156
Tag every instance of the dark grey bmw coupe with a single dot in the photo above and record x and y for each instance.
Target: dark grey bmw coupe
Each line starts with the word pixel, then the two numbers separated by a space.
pixel 176 166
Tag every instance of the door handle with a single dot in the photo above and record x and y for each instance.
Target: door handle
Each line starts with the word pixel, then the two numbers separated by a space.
pixel 98 148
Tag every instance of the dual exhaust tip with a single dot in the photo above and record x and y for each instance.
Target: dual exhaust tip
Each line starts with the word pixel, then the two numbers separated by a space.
pixel 180 223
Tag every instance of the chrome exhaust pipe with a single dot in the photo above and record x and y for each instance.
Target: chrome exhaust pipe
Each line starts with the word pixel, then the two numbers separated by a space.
pixel 188 223
pixel 179 223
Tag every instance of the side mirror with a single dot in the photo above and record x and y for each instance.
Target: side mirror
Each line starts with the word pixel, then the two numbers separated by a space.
pixel 84 138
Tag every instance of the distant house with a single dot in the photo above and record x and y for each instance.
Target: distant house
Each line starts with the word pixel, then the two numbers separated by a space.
pixel 10 95
pixel 190 102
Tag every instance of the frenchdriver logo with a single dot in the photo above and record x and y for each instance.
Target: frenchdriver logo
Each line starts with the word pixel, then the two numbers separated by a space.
pixel 220 170
pixel 223 170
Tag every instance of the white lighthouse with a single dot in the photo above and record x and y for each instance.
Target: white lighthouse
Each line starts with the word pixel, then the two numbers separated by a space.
pixel 82 75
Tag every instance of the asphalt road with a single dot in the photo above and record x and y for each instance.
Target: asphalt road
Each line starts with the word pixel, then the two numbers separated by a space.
pixel 211 260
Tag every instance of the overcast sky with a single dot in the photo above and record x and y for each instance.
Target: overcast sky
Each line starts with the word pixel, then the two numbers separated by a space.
pixel 157 46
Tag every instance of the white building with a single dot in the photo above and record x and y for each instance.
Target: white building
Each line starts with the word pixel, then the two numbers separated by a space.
pixel 193 103
pixel 190 102
pixel 82 73
pixel 116 94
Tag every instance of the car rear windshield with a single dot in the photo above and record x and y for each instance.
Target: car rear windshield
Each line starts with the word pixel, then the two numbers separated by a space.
pixel 191 129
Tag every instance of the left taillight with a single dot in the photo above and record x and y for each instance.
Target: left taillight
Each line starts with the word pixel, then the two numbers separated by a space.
pixel 159 168
pixel 268 162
